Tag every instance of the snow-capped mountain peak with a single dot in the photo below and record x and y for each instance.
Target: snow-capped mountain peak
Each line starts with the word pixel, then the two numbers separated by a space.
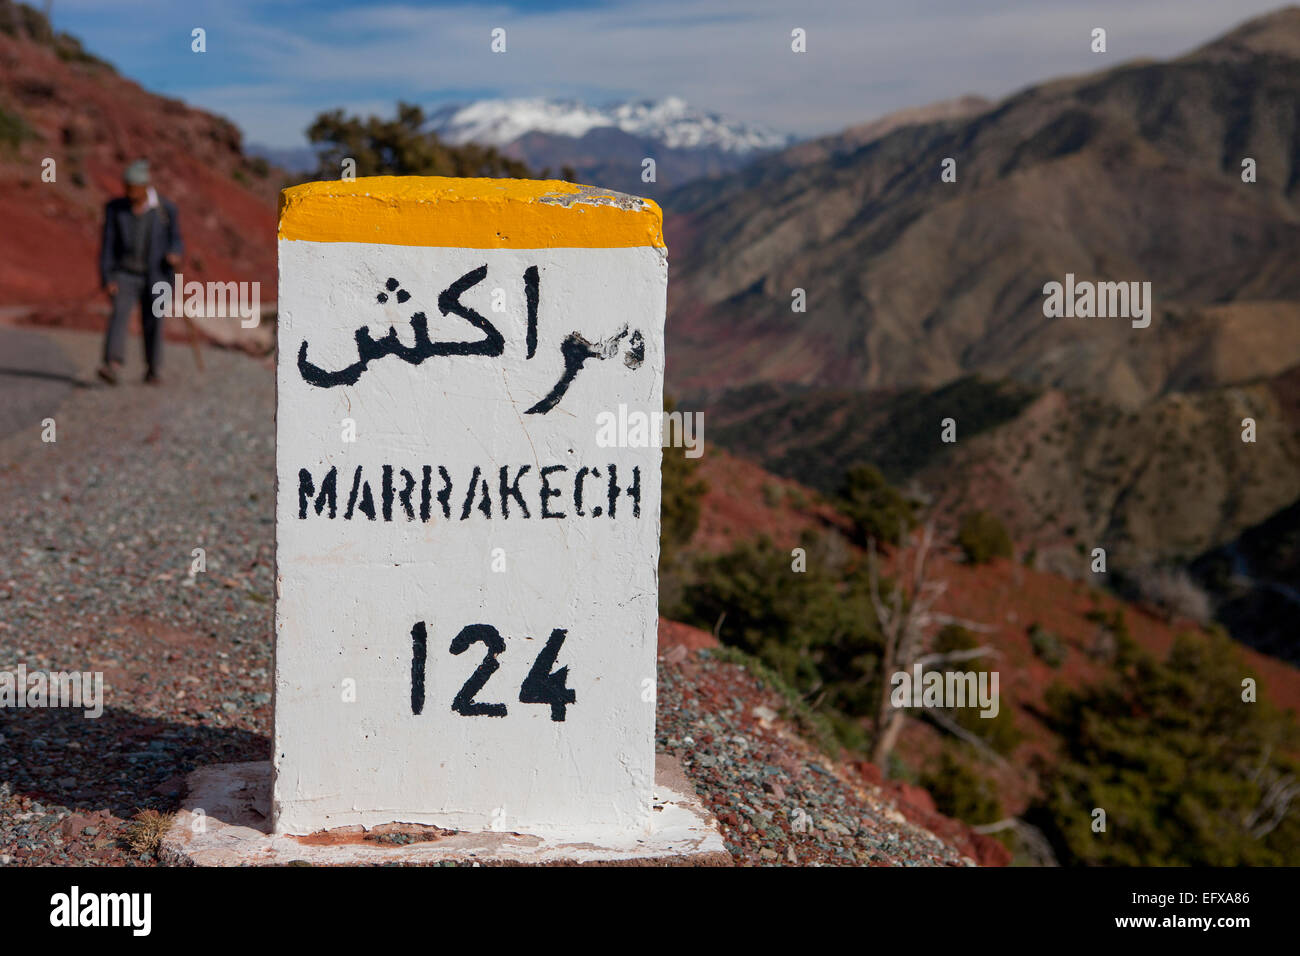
pixel 671 121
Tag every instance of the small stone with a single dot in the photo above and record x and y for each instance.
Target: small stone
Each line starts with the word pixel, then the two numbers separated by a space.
pixel 767 853
pixel 66 782
pixel 90 831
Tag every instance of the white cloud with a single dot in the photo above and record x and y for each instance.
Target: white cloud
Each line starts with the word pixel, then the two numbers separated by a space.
pixel 863 59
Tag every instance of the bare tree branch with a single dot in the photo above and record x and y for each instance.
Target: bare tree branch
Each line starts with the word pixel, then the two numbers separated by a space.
pixel 1032 839
pixel 961 733
pixel 943 619
pixel 1274 805
pixel 905 617
pixel 952 657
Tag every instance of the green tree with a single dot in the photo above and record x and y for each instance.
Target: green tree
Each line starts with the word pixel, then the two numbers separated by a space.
pixel 1187 772
pixel 814 628
pixel 960 792
pixel 876 509
pixel 402 147
pixel 983 537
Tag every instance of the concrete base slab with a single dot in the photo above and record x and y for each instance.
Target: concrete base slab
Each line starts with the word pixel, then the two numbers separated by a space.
pixel 233 801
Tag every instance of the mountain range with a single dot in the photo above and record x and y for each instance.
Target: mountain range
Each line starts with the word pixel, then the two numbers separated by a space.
pixel 913 280
pixel 607 144
pixel 924 300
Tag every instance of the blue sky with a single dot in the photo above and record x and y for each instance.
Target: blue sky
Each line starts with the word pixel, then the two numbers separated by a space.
pixel 272 65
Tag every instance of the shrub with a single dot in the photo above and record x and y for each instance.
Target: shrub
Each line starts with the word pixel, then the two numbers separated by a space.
pixel 953 638
pixel 772 494
pixel 1047 646
pixel 13 130
pixel 959 792
pixel 876 509
pixel 815 630
pixel 983 537
pixel 815 726
pixel 145 831
pixel 1115 644
pixel 999 732
pixel 1185 770
pixel 69 49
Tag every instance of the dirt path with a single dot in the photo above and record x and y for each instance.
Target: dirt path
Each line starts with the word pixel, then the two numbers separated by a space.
pixel 36 375
pixel 99 530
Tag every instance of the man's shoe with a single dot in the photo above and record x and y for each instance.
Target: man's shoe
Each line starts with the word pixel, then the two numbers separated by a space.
pixel 152 378
pixel 107 373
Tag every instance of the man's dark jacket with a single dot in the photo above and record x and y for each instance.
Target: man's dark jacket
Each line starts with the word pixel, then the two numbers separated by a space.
pixel 165 238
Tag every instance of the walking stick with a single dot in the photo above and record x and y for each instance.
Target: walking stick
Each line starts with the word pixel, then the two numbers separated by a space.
pixel 194 338
pixel 189 322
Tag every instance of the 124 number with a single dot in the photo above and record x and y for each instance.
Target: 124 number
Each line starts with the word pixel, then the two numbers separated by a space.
pixel 541 686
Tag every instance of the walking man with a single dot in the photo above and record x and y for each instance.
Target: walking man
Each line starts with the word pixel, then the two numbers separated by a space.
pixel 141 247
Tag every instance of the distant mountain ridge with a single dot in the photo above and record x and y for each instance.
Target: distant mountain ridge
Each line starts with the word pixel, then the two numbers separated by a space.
pixel 918 289
pixel 671 121
pixel 911 280
pixel 606 145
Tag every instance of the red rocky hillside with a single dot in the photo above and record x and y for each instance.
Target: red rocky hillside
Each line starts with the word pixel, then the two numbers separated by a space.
pixel 58 102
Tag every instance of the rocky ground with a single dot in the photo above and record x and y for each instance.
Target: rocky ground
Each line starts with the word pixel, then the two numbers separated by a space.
pixel 100 528
pixel 776 798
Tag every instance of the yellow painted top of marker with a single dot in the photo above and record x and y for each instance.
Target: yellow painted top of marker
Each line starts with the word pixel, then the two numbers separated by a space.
pixel 468 214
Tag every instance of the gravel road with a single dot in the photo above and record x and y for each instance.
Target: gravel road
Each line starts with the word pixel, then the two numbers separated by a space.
pixel 99 530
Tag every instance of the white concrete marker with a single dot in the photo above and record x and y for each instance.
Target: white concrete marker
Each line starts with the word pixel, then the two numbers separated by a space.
pixel 471 330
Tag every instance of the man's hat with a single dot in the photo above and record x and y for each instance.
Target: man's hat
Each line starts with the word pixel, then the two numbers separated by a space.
pixel 137 174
